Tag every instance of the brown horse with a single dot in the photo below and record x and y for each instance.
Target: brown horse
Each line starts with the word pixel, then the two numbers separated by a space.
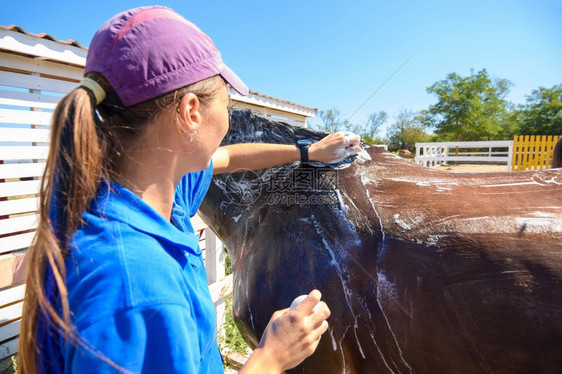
pixel 424 271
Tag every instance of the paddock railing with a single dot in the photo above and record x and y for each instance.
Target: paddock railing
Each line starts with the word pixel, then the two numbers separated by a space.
pixel 433 154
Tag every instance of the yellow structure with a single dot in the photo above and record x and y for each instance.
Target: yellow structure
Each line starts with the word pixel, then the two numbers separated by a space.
pixel 533 152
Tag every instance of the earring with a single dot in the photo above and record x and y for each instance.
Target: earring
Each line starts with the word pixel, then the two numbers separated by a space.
pixel 191 137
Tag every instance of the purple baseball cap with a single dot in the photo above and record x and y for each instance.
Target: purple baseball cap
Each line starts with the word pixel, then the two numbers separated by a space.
pixel 147 52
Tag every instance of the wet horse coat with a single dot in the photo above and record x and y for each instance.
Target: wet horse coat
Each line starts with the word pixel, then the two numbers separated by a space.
pixel 424 271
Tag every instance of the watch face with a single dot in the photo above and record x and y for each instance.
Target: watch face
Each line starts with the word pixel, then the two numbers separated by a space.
pixel 304 142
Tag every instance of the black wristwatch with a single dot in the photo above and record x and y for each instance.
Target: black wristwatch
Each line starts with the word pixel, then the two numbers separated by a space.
pixel 303 145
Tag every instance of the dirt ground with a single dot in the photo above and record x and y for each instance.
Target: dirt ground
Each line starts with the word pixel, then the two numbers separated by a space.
pixel 472 168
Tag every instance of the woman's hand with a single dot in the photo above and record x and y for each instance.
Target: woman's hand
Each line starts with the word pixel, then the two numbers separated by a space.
pixel 290 337
pixel 335 147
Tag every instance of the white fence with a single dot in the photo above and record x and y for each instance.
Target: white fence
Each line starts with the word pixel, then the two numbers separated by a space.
pixel 34 74
pixel 432 154
pixel 33 77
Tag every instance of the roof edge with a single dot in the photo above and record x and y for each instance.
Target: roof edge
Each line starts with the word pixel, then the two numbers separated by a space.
pixel 16 39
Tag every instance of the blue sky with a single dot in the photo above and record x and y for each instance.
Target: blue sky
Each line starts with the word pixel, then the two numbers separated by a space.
pixel 327 54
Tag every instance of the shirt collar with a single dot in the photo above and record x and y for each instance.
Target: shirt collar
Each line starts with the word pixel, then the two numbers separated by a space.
pixel 115 202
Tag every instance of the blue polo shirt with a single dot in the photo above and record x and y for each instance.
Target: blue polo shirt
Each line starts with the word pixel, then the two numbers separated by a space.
pixel 137 287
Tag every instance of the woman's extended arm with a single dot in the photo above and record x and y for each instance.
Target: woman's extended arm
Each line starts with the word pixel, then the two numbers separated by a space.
pixel 255 156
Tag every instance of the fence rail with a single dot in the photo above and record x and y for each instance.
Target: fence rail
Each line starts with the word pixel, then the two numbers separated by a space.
pixel 432 154
pixel 524 152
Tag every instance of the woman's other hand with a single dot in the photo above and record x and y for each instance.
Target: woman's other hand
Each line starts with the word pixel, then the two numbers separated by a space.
pixel 290 337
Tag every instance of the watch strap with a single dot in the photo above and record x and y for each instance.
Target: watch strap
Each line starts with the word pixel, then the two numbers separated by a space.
pixel 303 148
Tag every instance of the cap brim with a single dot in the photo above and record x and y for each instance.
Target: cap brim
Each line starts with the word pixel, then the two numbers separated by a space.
pixel 234 81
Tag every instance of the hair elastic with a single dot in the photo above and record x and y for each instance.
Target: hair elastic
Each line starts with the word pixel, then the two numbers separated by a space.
pixel 95 87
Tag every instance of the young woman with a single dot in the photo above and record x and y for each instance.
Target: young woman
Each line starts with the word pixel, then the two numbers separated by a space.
pixel 116 282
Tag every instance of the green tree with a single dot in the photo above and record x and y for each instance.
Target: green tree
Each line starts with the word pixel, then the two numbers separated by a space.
pixel 510 123
pixel 406 131
pixel 369 130
pixel 468 108
pixel 542 112
pixel 331 121
pixel 372 126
